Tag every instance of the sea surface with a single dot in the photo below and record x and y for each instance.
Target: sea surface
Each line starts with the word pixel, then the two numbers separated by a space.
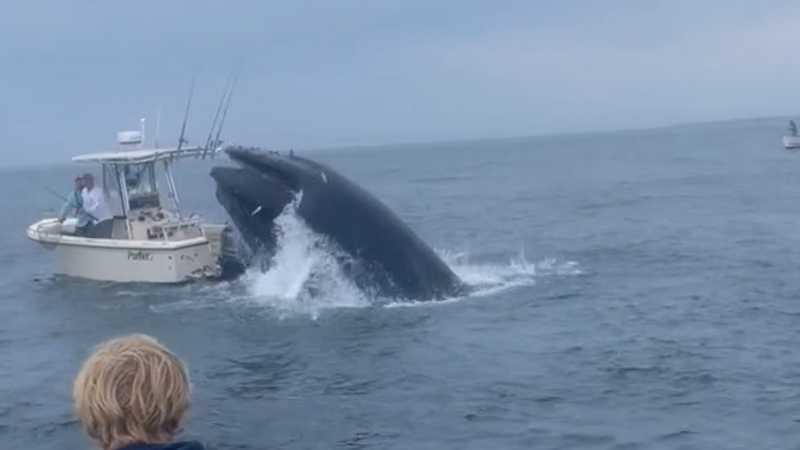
pixel 634 290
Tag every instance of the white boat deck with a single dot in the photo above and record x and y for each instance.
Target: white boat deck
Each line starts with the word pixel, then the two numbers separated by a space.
pixel 154 260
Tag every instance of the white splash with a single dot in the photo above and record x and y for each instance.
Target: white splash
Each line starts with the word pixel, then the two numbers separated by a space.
pixel 304 277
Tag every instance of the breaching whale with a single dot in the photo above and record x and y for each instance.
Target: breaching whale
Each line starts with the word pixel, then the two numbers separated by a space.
pixel 384 255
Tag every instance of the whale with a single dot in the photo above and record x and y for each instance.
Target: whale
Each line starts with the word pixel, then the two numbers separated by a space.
pixel 380 253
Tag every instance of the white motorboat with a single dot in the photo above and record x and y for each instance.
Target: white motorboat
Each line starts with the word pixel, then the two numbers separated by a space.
pixel 151 241
pixel 792 140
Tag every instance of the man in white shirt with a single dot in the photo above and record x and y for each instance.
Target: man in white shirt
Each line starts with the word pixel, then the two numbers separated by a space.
pixel 94 203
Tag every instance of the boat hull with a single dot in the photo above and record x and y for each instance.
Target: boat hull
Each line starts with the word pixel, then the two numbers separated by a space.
pixel 124 261
pixel 791 142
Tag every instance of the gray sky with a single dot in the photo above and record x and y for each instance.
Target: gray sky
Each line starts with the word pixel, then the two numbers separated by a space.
pixel 345 72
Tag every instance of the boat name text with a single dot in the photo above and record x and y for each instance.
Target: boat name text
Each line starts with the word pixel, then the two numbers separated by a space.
pixel 139 256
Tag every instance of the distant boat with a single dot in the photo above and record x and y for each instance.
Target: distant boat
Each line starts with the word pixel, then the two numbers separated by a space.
pixel 792 140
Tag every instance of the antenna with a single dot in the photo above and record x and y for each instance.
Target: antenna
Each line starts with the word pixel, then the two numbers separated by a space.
pixel 141 122
pixel 158 123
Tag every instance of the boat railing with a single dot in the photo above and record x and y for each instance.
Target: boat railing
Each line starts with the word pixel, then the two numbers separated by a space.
pixel 180 228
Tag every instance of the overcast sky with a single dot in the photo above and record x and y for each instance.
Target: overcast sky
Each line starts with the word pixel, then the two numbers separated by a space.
pixel 346 72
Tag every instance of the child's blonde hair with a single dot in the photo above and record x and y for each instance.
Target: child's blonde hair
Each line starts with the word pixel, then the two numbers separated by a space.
pixel 131 390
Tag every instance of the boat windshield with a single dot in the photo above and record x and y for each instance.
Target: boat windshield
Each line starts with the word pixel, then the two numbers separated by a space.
pixel 111 190
pixel 140 179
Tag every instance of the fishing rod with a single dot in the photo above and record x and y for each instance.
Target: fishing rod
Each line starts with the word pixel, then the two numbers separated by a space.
pixel 219 109
pixel 182 138
pixel 234 78
pixel 53 191
pixel 173 194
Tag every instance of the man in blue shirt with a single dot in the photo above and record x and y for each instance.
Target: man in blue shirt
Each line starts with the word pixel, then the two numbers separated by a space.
pixel 75 201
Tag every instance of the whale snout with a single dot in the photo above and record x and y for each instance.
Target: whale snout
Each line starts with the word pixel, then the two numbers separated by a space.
pixel 280 168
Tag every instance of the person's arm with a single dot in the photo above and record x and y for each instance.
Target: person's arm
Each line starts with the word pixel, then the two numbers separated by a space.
pixel 68 205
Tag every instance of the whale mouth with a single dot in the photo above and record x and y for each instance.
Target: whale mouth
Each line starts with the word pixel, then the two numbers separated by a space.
pixel 246 193
pixel 258 183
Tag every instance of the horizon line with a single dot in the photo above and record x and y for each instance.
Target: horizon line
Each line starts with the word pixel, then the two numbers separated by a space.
pixel 455 141
pixel 585 132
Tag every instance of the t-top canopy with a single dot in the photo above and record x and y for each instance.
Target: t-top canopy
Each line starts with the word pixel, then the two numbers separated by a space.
pixel 144 155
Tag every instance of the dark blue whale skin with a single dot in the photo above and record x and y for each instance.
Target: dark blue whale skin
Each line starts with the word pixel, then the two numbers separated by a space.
pixel 384 256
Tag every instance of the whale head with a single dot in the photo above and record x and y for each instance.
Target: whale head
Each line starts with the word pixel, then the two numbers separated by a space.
pixel 293 172
pixel 252 200
pixel 257 189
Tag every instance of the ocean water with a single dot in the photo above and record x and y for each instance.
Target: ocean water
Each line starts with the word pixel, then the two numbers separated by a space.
pixel 635 290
